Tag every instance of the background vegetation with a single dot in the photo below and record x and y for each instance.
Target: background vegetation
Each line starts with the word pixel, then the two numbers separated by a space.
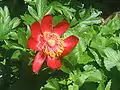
pixel 93 65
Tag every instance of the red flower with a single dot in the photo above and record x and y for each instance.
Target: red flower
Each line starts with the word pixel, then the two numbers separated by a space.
pixel 46 40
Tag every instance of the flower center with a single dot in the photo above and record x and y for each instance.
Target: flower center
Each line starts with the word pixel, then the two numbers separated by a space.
pixel 51 42
pixel 53 45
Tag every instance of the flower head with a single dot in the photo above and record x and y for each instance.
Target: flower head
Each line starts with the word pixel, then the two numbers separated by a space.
pixel 46 41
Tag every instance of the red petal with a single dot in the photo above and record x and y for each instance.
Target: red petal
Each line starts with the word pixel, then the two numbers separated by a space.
pixel 54 63
pixel 38 61
pixel 61 27
pixel 35 29
pixel 32 43
pixel 69 43
pixel 46 24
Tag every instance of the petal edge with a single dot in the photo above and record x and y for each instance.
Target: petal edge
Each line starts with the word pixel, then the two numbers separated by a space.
pixel 54 63
pixel 69 43
pixel 35 29
pixel 61 27
pixel 32 43
pixel 38 61
pixel 46 24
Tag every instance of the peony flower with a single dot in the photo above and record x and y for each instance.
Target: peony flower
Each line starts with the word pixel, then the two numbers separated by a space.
pixel 46 41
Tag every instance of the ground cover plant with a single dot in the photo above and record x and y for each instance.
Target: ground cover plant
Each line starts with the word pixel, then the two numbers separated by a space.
pixel 59 45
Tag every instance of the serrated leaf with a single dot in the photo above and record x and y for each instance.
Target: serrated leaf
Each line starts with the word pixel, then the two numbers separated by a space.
pixel 58 9
pixel 85 37
pixel 97 59
pixel 14 22
pixel 111 26
pixel 1 12
pixel 91 74
pixel 84 59
pixel 116 39
pixel 6 24
pixel 7 20
pixel 56 6
pixel 67 12
pixel 89 17
pixel 73 87
pixel 16 55
pixel 41 5
pixel 12 35
pixel 6 11
pixel 33 13
pixel 22 40
pixel 4 30
pixel 2 37
pixel 48 10
pixel 52 84
pixel 63 82
pixel 101 86
pixel 108 86
pixel 112 58
pixel 99 43
pixel 94 75
pixel 28 19
pixel 64 67
pixel 77 77
pixel 12 45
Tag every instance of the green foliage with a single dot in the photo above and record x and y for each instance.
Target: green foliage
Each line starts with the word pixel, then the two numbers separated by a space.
pixel 91 62
pixel 6 24
pixel 52 84
pixel 112 58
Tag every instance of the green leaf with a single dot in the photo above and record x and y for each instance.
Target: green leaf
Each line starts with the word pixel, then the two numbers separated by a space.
pixel 85 36
pixel 1 12
pixel 16 55
pixel 64 67
pixel 41 5
pixel 6 11
pixel 14 22
pixel 28 32
pixel 108 86
pixel 58 9
pixel 96 57
pixel 11 45
pixel 56 6
pixel 6 24
pixel 2 36
pixel 52 84
pixel 74 56
pixel 116 39
pixel 33 12
pixel 22 40
pixel 111 26
pixel 94 75
pixel 63 82
pixel 91 74
pixel 85 58
pixel 99 43
pixel 73 87
pixel 48 10
pixel 57 19
pixel 112 58
pixel 101 86
pixel 77 77
pixel 28 19
pixel 12 35
pixel 67 12
pixel 89 16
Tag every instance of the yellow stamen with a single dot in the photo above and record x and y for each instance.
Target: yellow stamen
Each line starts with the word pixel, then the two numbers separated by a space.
pixel 53 45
